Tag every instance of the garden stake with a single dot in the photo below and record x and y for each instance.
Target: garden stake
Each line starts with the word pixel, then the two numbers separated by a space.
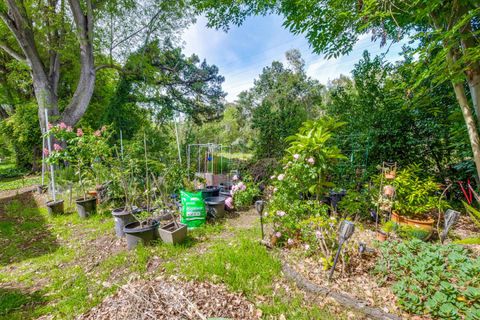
pixel 52 171
pixel 451 217
pixel 344 233
pixel 259 206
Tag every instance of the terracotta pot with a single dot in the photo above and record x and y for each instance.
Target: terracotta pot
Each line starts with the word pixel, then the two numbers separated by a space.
pixel 382 236
pixel 422 224
pixel 389 191
pixel 390 175
pixel 273 240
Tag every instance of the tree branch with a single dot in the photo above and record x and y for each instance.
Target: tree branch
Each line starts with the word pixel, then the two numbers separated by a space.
pixel 12 52
pixel 109 66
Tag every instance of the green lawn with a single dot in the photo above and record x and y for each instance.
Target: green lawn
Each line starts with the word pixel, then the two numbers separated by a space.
pixel 63 266
pixel 19 182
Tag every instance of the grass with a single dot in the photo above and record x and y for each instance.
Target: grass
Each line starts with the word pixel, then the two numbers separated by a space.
pixel 56 265
pixel 19 182
pixel 246 266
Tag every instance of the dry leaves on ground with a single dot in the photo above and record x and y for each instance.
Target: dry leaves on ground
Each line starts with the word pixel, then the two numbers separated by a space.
pixel 172 299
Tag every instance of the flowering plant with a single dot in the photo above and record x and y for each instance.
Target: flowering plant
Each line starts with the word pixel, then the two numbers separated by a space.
pixel 85 150
pixel 295 209
pixel 244 193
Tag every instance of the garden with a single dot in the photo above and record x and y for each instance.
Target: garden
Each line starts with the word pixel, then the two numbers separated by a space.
pixel 131 189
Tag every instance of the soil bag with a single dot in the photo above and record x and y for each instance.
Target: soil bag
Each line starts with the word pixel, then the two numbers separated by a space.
pixel 193 209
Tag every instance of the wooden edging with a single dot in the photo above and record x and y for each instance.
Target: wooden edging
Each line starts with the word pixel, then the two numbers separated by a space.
pixel 342 299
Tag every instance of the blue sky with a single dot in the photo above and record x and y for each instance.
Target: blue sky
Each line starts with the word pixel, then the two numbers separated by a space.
pixel 242 53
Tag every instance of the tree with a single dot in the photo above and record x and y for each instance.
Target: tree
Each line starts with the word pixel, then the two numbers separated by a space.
pixel 446 32
pixel 158 82
pixel 387 123
pixel 282 98
pixel 45 34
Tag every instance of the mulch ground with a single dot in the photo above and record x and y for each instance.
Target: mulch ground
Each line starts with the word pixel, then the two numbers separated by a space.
pixel 170 298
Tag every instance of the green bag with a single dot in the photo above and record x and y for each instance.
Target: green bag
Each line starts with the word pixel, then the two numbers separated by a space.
pixel 194 214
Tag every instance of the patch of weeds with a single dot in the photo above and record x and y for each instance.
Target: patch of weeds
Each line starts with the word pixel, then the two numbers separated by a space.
pixel 17 183
pixel 14 299
pixel 243 265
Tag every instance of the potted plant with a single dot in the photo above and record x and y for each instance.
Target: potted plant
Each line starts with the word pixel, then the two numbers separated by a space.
pixel 173 232
pixel 125 182
pixel 87 148
pixel 53 156
pixel 384 232
pixel 415 202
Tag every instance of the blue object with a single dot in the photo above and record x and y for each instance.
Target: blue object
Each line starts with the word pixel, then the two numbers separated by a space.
pixel 209 158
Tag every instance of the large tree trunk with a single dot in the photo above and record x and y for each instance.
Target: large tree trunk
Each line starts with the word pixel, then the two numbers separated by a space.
pixel 470 123
pixel 45 82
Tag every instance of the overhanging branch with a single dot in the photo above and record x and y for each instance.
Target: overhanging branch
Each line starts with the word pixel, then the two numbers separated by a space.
pixel 12 52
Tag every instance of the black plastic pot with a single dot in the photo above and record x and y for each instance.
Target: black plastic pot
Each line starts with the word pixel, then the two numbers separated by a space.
pixel 210 191
pixel 225 194
pixel 86 207
pixel 215 206
pixel 55 207
pixel 135 234
pixel 122 217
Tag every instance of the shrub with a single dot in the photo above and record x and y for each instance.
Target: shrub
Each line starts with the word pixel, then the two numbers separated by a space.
pixel 244 193
pixel 441 281
pixel 415 196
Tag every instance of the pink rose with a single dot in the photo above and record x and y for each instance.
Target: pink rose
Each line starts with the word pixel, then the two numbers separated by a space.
pixel 229 202
pixel 281 213
pixel 281 177
pixel 296 156
pixel 69 129
pixel 290 242
pixel 57 147
pixel 318 234
pixel 50 126
pixel 278 234
pixel 307 246
pixel 79 132
pixel 45 152
pixel 63 126
pixel 311 160
pixel 97 133
pixel 241 186
pixel 235 178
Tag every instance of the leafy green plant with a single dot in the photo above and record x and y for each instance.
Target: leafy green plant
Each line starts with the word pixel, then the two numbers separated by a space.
pixel 473 240
pixel 389 226
pixel 313 147
pixel 244 193
pixel 415 196
pixel 85 151
pixel 441 281
pixel 473 213
pixel 355 205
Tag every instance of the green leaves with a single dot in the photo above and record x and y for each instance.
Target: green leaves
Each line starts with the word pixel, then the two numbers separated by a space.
pixel 441 281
